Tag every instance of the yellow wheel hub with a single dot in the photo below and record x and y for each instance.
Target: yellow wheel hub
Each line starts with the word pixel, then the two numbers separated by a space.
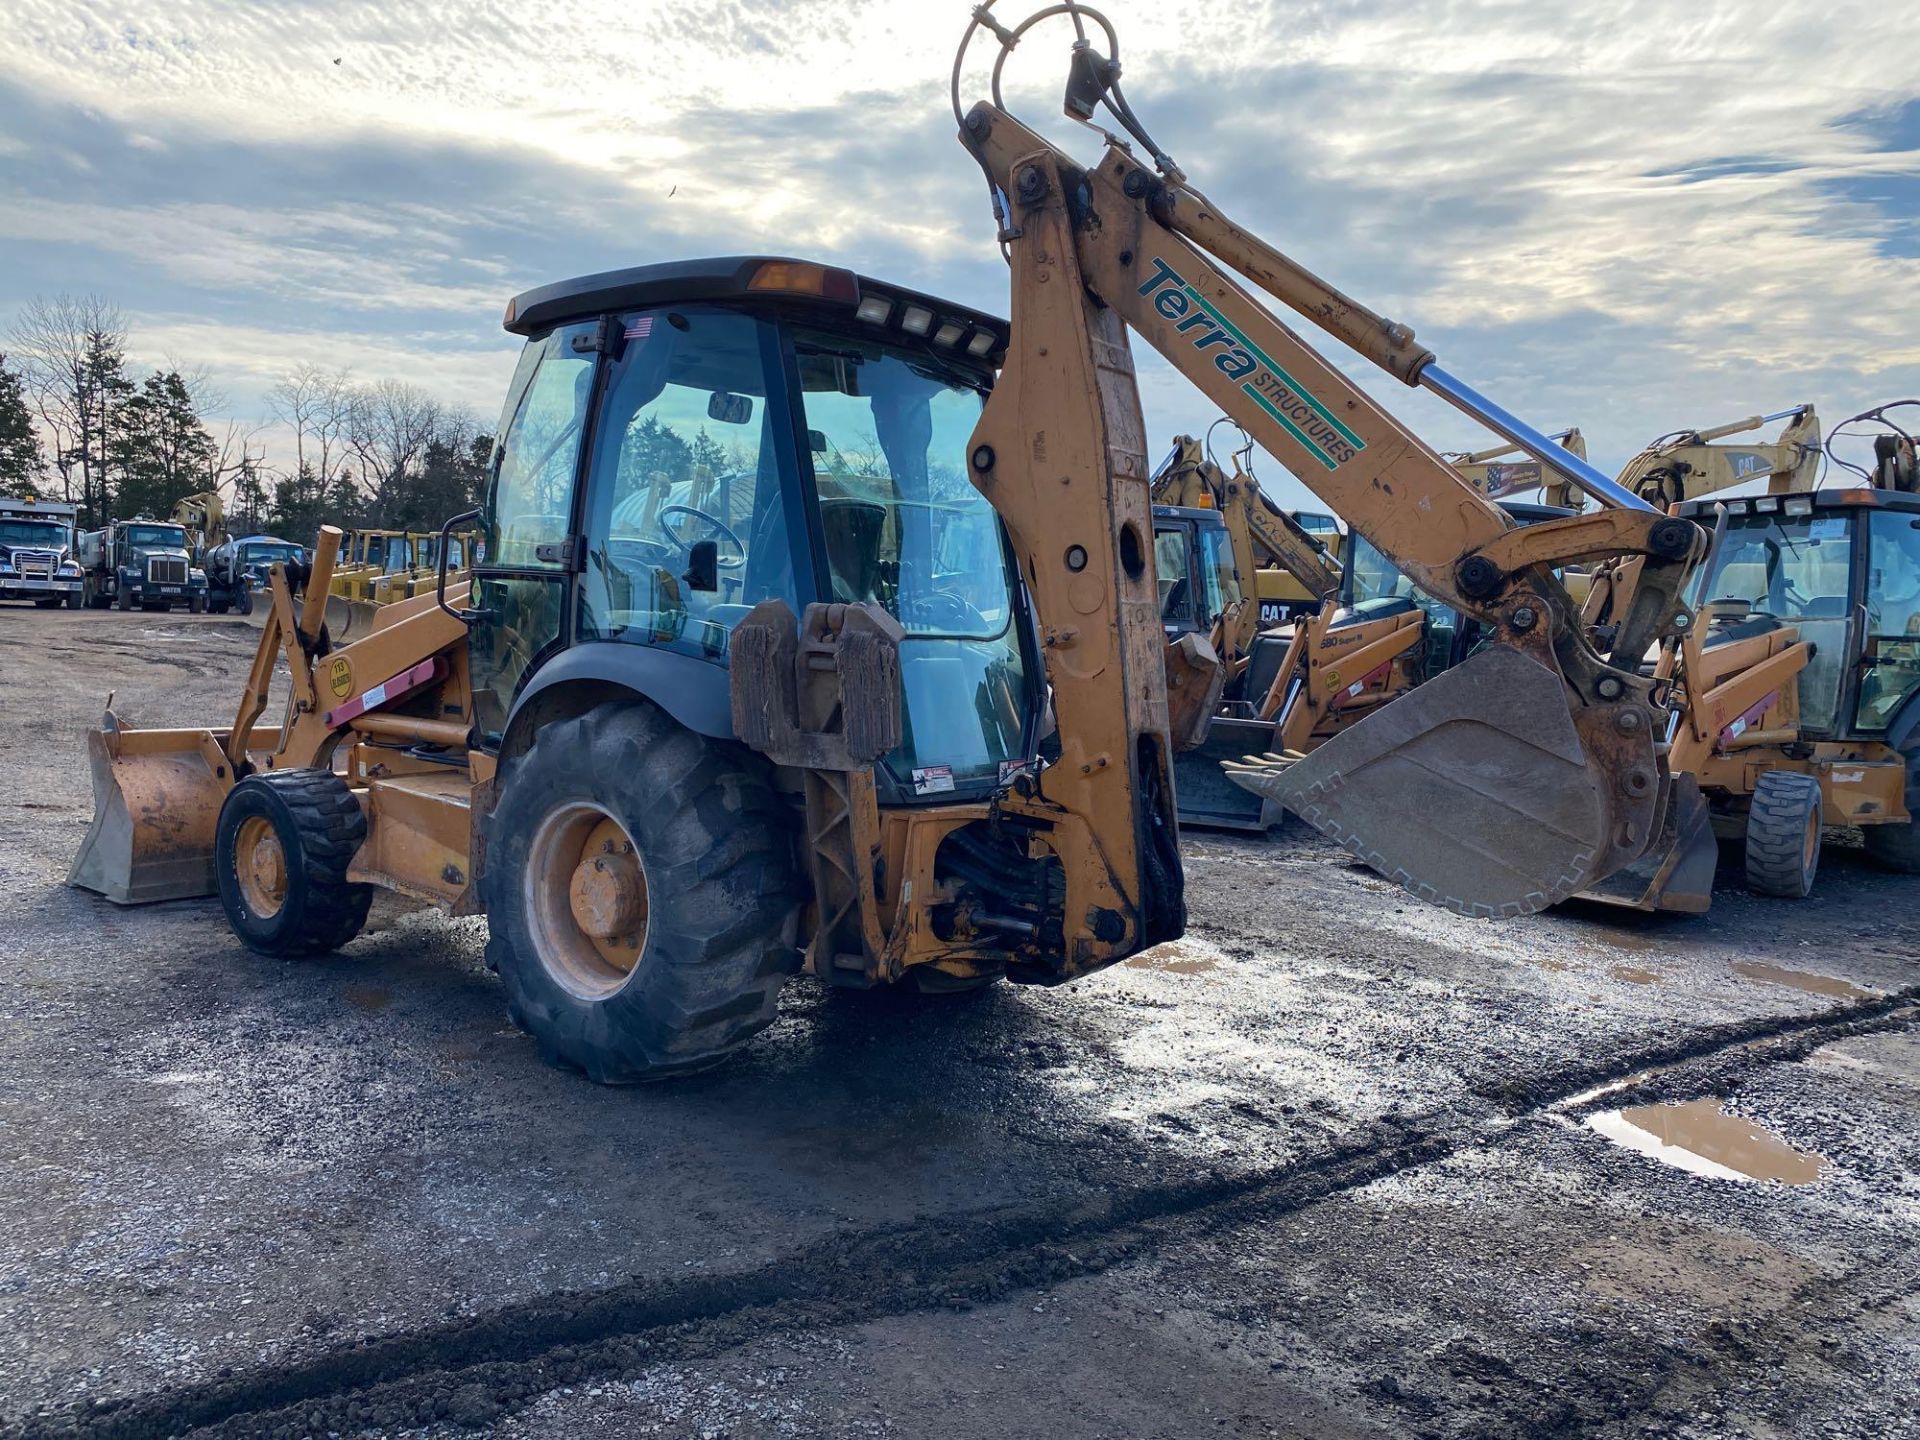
pixel 261 863
pixel 586 900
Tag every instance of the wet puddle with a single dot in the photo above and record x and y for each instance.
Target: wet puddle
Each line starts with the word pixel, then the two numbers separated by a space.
pixel 1635 975
pixel 369 997
pixel 1800 980
pixel 1700 1138
pixel 1177 957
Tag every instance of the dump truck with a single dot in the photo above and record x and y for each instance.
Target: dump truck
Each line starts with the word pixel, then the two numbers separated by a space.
pixel 37 552
pixel 141 563
pixel 675 751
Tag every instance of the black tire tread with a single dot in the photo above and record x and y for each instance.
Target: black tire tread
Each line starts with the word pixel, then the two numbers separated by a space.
pixel 331 828
pixel 1777 833
pixel 729 861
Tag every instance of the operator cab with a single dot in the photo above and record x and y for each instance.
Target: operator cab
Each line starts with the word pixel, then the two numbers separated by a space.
pixel 1843 568
pixel 1193 562
pixel 684 441
pixel 1372 587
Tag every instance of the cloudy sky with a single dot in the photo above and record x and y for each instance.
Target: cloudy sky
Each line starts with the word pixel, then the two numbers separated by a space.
pixel 1633 215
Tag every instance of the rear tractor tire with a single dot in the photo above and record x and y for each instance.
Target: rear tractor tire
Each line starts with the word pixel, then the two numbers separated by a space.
pixel 641 895
pixel 281 851
pixel 1783 835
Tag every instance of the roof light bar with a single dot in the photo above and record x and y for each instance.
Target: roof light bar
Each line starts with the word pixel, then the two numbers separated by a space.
pixel 875 309
pixel 982 343
pixel 950 333
pixel 1770 505
pixel 917 320
pixel 1800 505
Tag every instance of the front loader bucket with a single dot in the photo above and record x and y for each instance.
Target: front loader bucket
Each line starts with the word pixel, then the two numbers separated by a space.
pixel 156 798
pixel 1473 791
pixel 1207 795
pixel 1676 873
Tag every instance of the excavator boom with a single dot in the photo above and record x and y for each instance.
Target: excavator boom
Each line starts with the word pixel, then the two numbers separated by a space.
pixel 1517 779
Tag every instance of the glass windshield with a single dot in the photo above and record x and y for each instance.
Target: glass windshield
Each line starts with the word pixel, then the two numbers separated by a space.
pixel 33 532
pixel 171 536
pixel 905 529
pixel 1217 573
pixel 1374 576
pixel 1171 573
pixel 1893 617
pixel 1316 524
pixel 1790 567
pixel 271 554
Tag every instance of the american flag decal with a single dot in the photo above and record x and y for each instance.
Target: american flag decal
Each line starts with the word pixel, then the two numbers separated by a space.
pixel 641 328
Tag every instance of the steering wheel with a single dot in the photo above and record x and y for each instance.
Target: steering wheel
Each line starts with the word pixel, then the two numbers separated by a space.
pixel 944 612
pixel 720 529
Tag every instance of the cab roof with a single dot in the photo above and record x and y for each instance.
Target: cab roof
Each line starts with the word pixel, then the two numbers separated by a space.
pixel 774 282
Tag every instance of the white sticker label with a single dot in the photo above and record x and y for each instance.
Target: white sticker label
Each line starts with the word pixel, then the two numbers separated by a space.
pixel 933 780
pixel 1828 527
pixel 1849 777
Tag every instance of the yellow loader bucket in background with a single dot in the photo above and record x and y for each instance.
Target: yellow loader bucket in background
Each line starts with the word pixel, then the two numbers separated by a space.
pixel 156 798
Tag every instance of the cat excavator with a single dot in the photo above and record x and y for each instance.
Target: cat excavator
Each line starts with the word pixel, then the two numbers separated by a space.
pixel 890 706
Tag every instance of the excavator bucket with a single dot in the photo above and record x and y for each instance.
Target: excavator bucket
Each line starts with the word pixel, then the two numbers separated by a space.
pixel 1472 791
pixel 156 798
pixel 1676 873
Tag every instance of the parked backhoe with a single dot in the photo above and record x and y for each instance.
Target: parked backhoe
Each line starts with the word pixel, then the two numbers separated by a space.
pixel 1797 696
pixel 675 751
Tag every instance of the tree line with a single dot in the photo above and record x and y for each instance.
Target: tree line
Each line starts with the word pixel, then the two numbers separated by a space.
pixel 77 425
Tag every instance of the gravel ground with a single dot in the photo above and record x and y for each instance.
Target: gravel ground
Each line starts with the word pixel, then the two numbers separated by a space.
pixel 1327 1167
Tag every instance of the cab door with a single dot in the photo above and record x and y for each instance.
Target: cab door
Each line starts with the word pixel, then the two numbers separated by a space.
pixel 524 577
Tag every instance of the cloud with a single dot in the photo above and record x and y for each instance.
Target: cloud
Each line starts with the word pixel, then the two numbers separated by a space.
pixel 1655 214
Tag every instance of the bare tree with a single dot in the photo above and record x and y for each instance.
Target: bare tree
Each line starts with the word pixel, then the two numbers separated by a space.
pixel 318 404
pixel 72 354
pixel 389 428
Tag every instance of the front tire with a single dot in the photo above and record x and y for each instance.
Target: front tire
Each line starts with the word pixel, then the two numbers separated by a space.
pixel 73 599
pixel 123 600
pixel 641 896
pixel 197 605
pixel 1783 835
pixel 243 602
pixel 281 851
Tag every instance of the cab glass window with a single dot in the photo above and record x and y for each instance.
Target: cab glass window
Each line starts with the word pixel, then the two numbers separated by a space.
pixel 1221 580
pixel 904 528
pixel 1892 672
pixel 1375 577
pixel 1172 573
pixel 538 453
pixel 1794 567
pixel 687 512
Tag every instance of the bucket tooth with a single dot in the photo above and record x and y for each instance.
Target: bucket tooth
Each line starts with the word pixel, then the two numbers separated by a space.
pixel 155 805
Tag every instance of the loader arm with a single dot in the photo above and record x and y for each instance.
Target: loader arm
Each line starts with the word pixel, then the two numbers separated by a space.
pixel 1551 785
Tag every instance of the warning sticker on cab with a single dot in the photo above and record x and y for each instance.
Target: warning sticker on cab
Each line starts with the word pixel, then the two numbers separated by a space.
pixel 933 780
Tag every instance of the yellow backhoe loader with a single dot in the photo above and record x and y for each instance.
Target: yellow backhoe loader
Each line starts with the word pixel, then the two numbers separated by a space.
pixel 674 761
pixel 1797 696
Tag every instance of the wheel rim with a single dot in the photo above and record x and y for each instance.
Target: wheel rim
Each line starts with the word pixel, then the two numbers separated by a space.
pixel 260 864
pixel 586 894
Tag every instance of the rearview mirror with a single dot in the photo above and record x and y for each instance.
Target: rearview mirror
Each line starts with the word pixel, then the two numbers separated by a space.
pixel 817 441
pixel 703 565
pixel 729 409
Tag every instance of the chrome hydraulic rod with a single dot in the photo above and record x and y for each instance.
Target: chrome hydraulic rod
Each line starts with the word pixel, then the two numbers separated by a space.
pixel 1465 398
